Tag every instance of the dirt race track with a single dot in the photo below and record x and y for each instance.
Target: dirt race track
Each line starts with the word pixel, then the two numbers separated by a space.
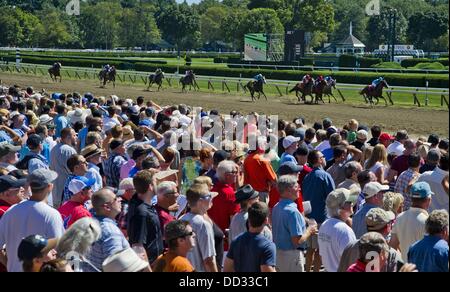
pixel 417 121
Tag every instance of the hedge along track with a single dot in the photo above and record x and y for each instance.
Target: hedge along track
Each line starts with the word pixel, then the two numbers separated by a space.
pixel 275 89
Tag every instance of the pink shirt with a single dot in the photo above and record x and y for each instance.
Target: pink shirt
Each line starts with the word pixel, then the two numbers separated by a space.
pixel 125 169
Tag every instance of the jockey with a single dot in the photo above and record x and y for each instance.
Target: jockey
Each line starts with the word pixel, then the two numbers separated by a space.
pixel 328 79
pixel 106 68
pixel 57 65
pixel 318 80
pixel 376 82
pixel 305 80
pixel 259 77
pixel 158 71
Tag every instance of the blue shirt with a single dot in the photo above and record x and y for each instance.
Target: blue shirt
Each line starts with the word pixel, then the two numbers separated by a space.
pixel 133 172
pixel 429 254
pixel 111 241
pixel 315 187
pixel 4 137
pixel 249 251
pixel 328 153
pixel 82 137
pixel 287 222
pixel 359 225
pixel 286 157
pixel 45 151
pixel 38 162
pixel 111 168
pixel 60 123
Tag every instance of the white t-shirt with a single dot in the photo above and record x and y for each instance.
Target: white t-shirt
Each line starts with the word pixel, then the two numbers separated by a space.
pixel 204 241
pixel 24 219
pixel 434 179
pixel 334 236
pixel 409 228
pixel 396 147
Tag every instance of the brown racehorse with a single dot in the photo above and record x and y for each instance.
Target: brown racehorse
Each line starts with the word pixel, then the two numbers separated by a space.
pixel 155 78
pixel 55 71
pixel 108 76
pixel 318 90
pixel 256 86
pixel 304 89
pixel 377 93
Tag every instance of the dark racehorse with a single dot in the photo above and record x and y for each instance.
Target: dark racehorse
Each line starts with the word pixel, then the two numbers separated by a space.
pixel 108 76
pixel 256 86
pixel 304 89
pixel 55 71
pixel 189 79
pixel 318 90
pixel 328 89
pixel 370 93
pixel 155 78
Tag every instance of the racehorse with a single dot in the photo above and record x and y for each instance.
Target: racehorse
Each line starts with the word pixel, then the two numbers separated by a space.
pixel 318 90
pixel 55 71
pixel 155 78
pixel 328 89
pixel 370 93
pixel 108 76
pixel 256 86
pixel 189 79
pixel 305 90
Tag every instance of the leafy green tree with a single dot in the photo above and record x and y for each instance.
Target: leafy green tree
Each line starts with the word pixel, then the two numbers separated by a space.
pixel 211 23
pixel 426 27
pixel 378 29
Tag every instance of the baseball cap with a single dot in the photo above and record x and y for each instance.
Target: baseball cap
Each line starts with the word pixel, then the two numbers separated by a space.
pixel 385 137
pixel 300 133
pixel 125 185
pixel 331 130
pixel 289 140
pixel 6 148
pixel 220 156
pixel 126 260
pixel 41 177
pixel 79 183
pixel 115 144
pixel 289 168
pixel 10 182
pixel 338 197
pixel 246 192
pixel 361 134
pixel 421 190
pixel 373 188
pixel 149 111
pixel 34 246
pixel 34 141
pixel 146 123
pixel 377 218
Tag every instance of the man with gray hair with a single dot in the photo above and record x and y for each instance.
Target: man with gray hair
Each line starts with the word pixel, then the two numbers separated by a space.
pixel 334 233
pixel 167 195
pixel 107 206
pixel 289 227
pixel 431 253
pixel 224 208
pixel 351 169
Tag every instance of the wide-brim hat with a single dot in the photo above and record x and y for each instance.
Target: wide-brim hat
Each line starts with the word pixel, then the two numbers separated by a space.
pixel 245 193
pixel 126 260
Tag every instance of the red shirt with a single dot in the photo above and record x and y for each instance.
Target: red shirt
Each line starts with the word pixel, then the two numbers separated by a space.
pixel 164 217
pixel 223 205
pixel 71 212
pixel 400 163
pixel 358 267
pixel 274 195
pixel 258 172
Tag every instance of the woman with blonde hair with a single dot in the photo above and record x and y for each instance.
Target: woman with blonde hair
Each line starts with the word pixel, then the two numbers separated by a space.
pixel 377 163
pixel 393 202
pixel 366 154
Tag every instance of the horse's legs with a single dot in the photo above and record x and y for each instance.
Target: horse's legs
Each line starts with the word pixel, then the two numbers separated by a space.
pixel 264 95
pixel 385 100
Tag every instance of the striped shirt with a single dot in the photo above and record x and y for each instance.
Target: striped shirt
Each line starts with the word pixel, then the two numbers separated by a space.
pixel 111 167
pixel 402 183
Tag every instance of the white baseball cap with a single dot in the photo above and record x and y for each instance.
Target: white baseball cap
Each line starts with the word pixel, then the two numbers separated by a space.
pixel 289 140
pixel 78 183
pixel 373 188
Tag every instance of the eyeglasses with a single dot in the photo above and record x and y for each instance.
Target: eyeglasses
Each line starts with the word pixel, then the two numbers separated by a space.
pixel 206 198
pixel 232 172
pixel 186 235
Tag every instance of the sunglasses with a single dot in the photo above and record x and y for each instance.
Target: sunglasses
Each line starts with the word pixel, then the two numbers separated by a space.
pixel 186 234
pixel 206 198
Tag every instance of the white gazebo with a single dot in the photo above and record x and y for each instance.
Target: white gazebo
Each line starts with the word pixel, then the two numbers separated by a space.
pixel 350 45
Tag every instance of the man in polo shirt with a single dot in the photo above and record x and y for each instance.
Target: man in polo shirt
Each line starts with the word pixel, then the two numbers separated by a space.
pixel 410 225
pixel 73 209
pixel 289 227
pixel 290 144
pixel 400 163
pixel 31 217
pixel 11 192
pixel 373 195
pixel 8 156
pixel 167 194
pixel 34 159
pixel 431 253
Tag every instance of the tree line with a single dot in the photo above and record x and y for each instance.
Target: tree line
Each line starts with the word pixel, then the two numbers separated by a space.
pixel 108 24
